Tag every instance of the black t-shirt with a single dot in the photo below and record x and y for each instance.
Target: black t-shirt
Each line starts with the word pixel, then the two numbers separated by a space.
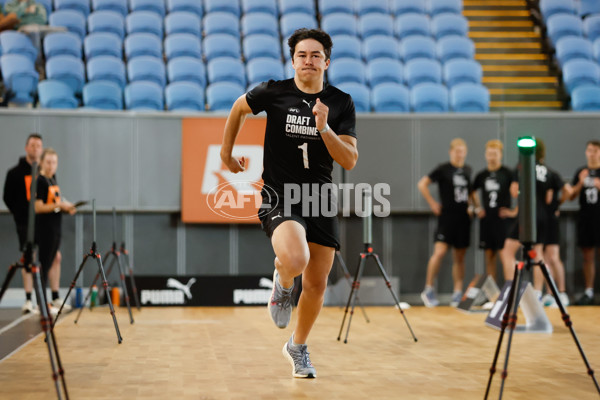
pixel 454 186
pixel 16 191
pixel 294 151
pixel 588 197
pixel 556 183
pixel 495 189
pixel 49 192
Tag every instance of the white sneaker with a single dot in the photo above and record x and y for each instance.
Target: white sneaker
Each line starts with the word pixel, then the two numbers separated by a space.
pixel 28 307
pixel 564 299
pixel 53 310
pixel 58 302
pixel 549 301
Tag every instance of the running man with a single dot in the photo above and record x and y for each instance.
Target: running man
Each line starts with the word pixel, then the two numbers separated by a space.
pixel 310 124
pixel 586 185
pixel 454 223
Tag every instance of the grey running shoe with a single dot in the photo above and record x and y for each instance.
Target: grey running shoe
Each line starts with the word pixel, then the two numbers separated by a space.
pixel 280 305
pixel 456 298
pixel 429 298
pixel 297 355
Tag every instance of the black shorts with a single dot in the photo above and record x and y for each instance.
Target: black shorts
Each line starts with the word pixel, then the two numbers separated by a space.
pixel 492 233
pixel 541 228
pixel 320 230
pixel 552 235
pixel 588 231
pixel 47 248
pixel 454 229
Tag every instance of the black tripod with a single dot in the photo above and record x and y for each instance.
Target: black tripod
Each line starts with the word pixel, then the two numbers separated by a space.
pixel 127 266
pixel 510 316
pixel 93 253
pixel 368 252
pixel 347 276
pixel 30 266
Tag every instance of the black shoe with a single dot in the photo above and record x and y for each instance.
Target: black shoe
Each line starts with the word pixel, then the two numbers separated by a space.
pixel 585 300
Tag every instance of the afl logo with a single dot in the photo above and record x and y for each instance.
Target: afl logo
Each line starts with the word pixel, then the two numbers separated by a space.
pixel 294 110
pixel 241 200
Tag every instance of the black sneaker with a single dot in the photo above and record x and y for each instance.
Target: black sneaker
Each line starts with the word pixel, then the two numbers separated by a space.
pixel 585 300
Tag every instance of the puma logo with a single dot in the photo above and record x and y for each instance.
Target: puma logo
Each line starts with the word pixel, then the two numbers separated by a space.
pixel 307 102
pixel 175 284
pixel 265 283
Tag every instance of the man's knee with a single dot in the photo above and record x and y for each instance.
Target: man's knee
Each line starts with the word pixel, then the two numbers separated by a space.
pixel 314 287
pixel 58 258
pixel 295 260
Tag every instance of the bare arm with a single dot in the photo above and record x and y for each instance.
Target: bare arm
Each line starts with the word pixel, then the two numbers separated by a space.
pixel 43 208
pixel 341 148
pixel 234 123
pixel 423 187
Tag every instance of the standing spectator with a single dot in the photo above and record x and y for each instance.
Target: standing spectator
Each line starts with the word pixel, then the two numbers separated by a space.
pixel 454 224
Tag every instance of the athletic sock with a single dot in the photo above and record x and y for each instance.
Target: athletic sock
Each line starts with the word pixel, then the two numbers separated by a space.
pixel 28 296
pixel 589 292
pixel 54 295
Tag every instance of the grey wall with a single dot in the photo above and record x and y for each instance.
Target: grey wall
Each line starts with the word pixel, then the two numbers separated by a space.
pixel 132 161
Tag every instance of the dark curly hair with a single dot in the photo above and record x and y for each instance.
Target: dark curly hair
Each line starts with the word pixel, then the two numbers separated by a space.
pixel 316 34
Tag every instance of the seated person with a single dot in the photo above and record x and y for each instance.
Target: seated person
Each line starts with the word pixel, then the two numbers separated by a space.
pixel 7 21
pixel 27 11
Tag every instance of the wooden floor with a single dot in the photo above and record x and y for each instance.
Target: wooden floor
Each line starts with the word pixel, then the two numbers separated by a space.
pixel 235 353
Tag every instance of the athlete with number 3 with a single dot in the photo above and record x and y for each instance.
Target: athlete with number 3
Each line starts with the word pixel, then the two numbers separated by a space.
pixel 310 124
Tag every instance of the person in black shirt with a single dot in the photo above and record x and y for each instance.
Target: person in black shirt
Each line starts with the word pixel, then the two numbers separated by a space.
pixel 310 124
pixel 16 197
pixel 494 183
pixel 49 206
pixel 454 224
pixel 586 185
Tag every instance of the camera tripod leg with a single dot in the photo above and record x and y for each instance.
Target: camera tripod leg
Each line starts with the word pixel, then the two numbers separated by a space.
pixel 70 289
pixel 110 305
pixel 353 290
pixel 9 275
pixel 124 287
pixel 347 276
pixel 128 268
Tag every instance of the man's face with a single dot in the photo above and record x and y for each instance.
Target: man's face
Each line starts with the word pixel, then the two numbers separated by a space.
pixel 33 149
pixel 493 155
pixel 309 60
pixel 49 165
pixel 458 154
pixel 592 154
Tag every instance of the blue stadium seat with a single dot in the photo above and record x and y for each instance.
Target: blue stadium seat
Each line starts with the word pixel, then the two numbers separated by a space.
pixel 461 70
pixel 571 48
pixel 102 44
pixel 390 97
pixel 107 21
pixel 46 3
pixel 412 24
pixel 588 7
pixel 445 6
pixel 184 96
pixel 291 22
pixel 580 72
pixel 82 6
pixel 384 70
pixel 564 25
pixel 429 97
pixel 453 46
pixel 67 69
pixel 221 22
pixel 360 94
pixel 187 69
pixel 263 6
pixel 221 45
pixel 155 6
pixel 103 95
pixel 144 96
pixel 591 27
pixel 297 6
pixel 62 43
pixel 147 68
pixel 285 49
pixel 56 94
pixel 106 68
pixel 225 69
pixel 378 46
pixel 263 69
pixel 327 7
pixel 372 6
pixel 19 76
pixel 586 98
pixel 340 24
pixel 417 47
pixel 552 7
pixel 182 45
pixel 72 20
pixel 596 49
pixel 421 70
pixel 260 23
pixel 346 70
pixel 289 69
pixel 469 97
pixel 449 24
pixel 375 24
pixel 220 96
pixel 182 22
pixel 144 21
pixel 142 44
pixel 13 42
pixel 408 6
pixel 118 6
pixel 345 46
pixel 261 46
pixel 193 6
pixel 228 6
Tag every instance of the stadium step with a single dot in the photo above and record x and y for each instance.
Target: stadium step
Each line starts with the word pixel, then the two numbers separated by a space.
pixel 516 68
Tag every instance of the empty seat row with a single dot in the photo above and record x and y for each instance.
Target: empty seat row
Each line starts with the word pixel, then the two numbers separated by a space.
pixel 396 7
pixel 573 47
pixel 564 25
pixel 586 98
pixel 582 8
